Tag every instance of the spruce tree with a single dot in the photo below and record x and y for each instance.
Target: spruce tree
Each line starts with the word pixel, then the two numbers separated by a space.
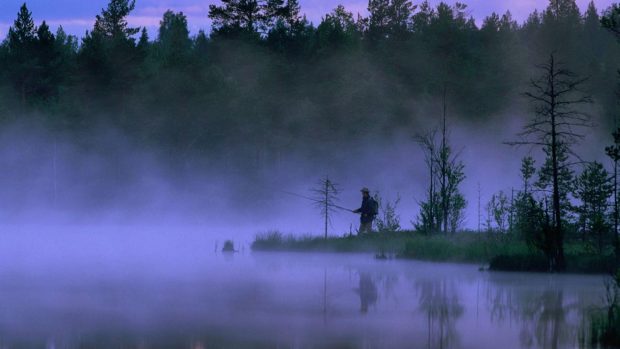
pixel 20 44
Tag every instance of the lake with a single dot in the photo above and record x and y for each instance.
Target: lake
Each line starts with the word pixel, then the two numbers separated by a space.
pixel 190 296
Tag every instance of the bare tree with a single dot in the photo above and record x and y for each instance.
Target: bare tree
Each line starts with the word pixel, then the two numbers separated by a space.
pixel 444 154
pixel 613 152
pixel 444 209
pixel 429 215
pixel 556 97
pixel 325 196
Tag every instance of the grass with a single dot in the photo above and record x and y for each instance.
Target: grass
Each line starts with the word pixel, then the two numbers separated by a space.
pixel 605 322
pixel 462 247
pixel 579 259
pixel 276 241
pixel 499 251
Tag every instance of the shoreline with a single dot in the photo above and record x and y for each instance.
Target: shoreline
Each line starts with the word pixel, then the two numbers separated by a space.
pixel 494 251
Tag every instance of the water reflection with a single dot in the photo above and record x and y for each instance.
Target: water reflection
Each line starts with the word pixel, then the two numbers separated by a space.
pixel 293 301
pixel 367 291
pixel 551 315
pixel 439 302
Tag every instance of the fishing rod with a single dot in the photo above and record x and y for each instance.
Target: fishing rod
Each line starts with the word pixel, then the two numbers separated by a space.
pixel 315 200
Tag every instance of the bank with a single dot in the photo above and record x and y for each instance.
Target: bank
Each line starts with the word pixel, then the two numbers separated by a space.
pixel 499 252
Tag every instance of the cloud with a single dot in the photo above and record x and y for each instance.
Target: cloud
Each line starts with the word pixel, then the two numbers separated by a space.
pixel 87 22
pixel 143 21
pixel 315 10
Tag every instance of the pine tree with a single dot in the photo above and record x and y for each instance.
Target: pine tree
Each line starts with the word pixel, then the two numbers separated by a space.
pixel 144 44
pixel 400 13
pixel 200 46
pixel 237 18
pixel 20 43
pixel 109 60
pixel 556 99
pixel 284 13
pixel 112 22
pixel 611 20
pixel 378 19
pixel 591 19
pixel 527 171
pixel 173 43
pixel 338 30
pixel 47 77
pixel 594 188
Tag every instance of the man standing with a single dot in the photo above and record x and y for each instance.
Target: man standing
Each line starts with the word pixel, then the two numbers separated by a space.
pixel 367 212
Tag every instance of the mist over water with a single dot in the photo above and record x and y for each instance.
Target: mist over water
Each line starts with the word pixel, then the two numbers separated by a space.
pixel 127 162
pixel 51 181
pixel 175 293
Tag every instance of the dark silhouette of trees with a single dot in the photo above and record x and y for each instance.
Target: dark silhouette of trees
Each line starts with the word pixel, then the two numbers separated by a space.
pixel 20 43
pixel 108 58
pixel 428 220
pixel 444 205
pixel 112 22
pixel 263 81
pixel 237 18
pixel 556 98
pixel 388 19
pixel 527 171
pixel 337 70
pixel 173 43
pixel 594 189
pixel 611 20
pixel 338 31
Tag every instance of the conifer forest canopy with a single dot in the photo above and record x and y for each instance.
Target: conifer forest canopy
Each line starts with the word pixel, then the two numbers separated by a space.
pixel 264 86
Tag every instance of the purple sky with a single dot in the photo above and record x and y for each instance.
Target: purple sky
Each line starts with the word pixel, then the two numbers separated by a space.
pixel 76 16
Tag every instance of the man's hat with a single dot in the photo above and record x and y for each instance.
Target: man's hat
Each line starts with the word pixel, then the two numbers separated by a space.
pixel 365 190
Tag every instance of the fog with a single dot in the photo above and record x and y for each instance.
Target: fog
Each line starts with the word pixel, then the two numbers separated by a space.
pixel 183 296
pixel 55 182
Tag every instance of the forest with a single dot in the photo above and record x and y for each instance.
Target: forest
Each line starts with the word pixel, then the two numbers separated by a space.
pixel 264 79
pixel 263 82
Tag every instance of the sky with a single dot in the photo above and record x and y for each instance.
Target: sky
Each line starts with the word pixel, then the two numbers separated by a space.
pixel 77 16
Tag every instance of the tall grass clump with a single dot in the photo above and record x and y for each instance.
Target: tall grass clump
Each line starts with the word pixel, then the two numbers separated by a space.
pixel 605 323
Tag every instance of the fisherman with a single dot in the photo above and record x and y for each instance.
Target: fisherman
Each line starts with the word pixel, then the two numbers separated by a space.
pixel 367 212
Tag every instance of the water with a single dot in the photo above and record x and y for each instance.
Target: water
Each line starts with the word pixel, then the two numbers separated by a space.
pixel 96 292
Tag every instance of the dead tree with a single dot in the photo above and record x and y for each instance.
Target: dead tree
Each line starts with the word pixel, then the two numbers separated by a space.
pixel 444 209
pixel 429 214
pixel 556 96
pixel 444 153
pixel 325 195
pixel 613 152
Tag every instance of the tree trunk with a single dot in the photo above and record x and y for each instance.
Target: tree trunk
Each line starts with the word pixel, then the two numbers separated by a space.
pixel 326 205
pixel 444 168
pixel 616 242
pixel 557 238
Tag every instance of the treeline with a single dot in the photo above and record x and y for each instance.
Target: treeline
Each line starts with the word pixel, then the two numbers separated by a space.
pixel 564 198
pixel 264 79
